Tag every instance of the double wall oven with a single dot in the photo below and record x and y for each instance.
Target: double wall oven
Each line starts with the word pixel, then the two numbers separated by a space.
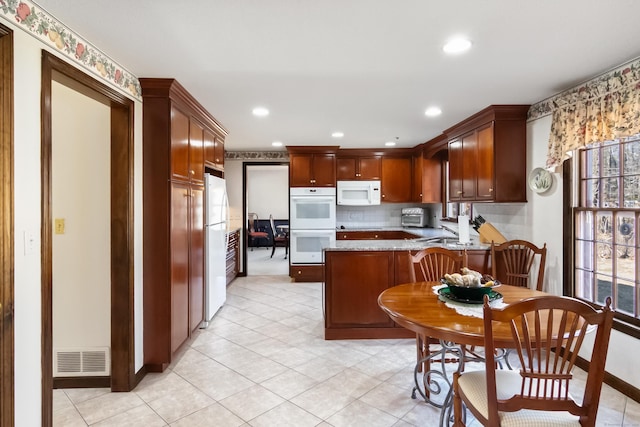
pixel 312 223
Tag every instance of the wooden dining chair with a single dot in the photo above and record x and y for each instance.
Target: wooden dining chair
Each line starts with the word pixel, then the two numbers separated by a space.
pixel 279 239
pixel 431 264
pixel 254 233
pixel 547 334
pixel 512 261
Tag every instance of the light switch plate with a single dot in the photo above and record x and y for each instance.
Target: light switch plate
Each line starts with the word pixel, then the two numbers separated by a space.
pixel 59 225
pixel 29 242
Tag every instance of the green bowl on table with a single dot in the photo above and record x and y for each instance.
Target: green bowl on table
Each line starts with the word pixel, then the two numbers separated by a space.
pixel 470 293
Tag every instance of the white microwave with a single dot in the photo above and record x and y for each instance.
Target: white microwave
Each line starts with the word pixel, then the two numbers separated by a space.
pixel 358 193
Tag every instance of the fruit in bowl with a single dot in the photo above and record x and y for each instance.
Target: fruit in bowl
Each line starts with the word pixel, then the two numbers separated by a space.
pixel 470 285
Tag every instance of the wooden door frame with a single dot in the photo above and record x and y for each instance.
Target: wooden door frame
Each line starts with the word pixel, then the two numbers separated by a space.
pixel 123 376
pixel 7 235
pixel 245 240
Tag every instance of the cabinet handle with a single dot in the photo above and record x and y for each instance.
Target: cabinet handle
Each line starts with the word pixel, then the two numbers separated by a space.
pixel 459 192
pixel 383 196
pixel 193 172
pixel 375 236
pixel 491 190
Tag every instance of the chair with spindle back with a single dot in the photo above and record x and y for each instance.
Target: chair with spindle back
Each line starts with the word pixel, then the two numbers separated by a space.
pixel 547 333
pixel 512 262
pixel 431 264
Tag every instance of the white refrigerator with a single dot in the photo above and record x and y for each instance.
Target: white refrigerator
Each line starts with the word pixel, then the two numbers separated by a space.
pixel 216 225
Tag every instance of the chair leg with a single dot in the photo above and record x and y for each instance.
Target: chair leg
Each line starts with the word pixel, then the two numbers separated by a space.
pixel 273 250
pixel 457 403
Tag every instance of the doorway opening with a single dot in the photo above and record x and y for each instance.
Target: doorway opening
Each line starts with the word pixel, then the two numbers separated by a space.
pixel 266 194
pixel 120 239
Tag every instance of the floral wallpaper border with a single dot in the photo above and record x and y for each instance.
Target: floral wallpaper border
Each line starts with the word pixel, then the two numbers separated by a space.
pixel 256 155
pixel 546 106
pixel 40 24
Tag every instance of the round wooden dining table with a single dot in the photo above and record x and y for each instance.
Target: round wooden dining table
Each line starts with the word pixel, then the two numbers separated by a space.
pixel 417 307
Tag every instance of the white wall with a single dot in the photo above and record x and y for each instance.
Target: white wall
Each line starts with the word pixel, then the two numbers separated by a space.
pixel 27 274
pixel 81 197
pixel 268 191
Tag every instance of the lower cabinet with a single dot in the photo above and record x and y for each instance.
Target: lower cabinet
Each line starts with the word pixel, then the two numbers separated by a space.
pixel 306 272
pixel 353 282
pixel 233 255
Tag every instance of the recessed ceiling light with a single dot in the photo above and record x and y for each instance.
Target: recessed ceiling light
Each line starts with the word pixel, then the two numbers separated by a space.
pixel 260 112
pixel 390 144
pixel 432 112
pixel 457 45
pixel 337 135
pixel 276 144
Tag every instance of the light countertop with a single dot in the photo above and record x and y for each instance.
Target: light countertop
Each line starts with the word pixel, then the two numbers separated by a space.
pixel 400 244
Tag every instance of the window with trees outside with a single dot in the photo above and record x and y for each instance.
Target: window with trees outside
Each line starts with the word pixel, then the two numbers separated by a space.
pixel 606 226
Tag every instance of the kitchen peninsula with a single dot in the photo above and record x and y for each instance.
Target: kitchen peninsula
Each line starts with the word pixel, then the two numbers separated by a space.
pixel 360 266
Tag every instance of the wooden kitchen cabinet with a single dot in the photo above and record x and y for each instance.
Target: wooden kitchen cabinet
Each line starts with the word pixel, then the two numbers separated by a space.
pixel 426 182
pixel 176 133
pixel 213 151
pixel 312 166
pixel 396 179
pixel 233 255
pixel 353 281
pixel 487 156
pixel 359 168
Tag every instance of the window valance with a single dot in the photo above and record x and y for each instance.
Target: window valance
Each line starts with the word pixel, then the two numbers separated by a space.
pixel 602 109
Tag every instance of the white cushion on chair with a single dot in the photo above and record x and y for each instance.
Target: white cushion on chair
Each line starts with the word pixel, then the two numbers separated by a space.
pixel 473 385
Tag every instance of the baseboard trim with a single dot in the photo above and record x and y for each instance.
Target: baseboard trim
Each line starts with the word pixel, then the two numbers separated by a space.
pixel 613 381
pixel 81 382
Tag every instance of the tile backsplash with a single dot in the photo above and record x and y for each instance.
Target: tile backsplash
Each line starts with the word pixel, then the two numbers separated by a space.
pixel 383 215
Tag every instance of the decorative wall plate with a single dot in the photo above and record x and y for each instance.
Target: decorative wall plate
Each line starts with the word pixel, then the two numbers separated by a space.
pixel 540 180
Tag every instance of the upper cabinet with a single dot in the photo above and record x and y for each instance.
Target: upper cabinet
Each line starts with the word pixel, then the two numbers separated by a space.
pixel 358 165
pixel 312 166
pixel 487 156
pixel 426 183
pixel 213 151
pixel 396 179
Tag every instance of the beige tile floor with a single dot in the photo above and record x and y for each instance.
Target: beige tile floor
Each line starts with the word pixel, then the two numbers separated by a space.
pixel 263 362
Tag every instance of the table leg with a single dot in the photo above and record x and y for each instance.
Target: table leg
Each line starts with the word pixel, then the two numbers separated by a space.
pixel 430 389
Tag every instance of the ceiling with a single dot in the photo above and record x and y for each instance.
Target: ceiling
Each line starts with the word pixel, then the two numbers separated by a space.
pixel 368 68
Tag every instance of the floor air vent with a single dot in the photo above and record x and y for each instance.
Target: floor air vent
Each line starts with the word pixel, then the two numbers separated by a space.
pixel 81 362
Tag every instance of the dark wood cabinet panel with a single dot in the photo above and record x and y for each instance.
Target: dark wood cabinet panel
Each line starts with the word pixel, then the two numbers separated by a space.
pixel 426 183
pixel 300 171
pixel 312 166
pixel 396 179
pixel 356 168
pixel 353 282
pixel 196 152
pixel 218 150
pixel 485 170
pixel 179 145
pixel 233 255
pixel 177 136
pixel 196 257
pixel 487 156
pixel 179 232
pixel 306 273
